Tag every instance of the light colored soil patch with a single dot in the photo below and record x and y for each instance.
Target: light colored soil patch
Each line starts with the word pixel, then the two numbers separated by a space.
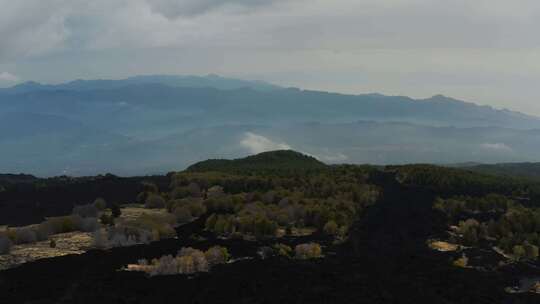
pixel 66 243
pixel 442 246
pixel 303 231
pixel 133 213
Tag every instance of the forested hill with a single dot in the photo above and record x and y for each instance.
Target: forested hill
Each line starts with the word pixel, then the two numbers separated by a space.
pixel 525 170
pixel 266 161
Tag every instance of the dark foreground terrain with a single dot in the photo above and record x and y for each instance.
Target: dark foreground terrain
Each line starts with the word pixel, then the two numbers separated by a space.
pixel 384 260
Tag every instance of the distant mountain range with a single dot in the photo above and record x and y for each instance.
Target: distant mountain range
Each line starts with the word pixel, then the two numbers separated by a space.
pixel 152 124
pixel 210 81
pixel 523 170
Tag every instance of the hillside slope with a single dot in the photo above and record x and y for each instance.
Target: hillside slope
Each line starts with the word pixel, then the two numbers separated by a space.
pixel 266 161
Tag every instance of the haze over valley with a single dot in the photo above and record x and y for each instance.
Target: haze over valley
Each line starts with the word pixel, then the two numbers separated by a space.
pixel 152 124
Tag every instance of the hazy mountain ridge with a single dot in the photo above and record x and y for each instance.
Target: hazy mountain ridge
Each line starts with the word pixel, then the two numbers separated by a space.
pixel 209 81
pixel 151 124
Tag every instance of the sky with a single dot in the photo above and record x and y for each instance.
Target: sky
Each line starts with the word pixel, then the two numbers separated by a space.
pixel 483 51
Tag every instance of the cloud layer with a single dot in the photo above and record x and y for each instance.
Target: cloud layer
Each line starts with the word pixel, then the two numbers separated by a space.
pixel 174 8
pixel 8 77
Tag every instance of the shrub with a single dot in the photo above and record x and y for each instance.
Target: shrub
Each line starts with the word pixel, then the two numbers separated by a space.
pixel 100 204
pixel 186 265
pixel 194 190
pixel 107 219
pixel 100 239
pixel 217 255
pixel 187 261
pixel 215 191
pixel 308 251
pixel 331 228
pixel 200 262
pixel 183 215
pixel 159 225
pixel 25 235
pixel 519 251
pixel 5 244
pixel 141 197
pixel 264 227
pixel 461 262
pixel 210 222
pixel 120 236
pixel 150 187
pixel 154 201
pixel 116 211
pixel 531 251
pixel 166 265
pixel 265 252
pixel 62 224
pixel 89 224
pixel 469 229
pixel 283 250
pixel 43 231
pixel 85 211
pixel 197 208
pixel 121 240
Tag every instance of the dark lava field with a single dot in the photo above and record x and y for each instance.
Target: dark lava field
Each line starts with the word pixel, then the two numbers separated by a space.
pixel 384 260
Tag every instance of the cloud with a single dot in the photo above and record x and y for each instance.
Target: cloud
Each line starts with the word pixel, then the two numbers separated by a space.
pixel 497 147
pixel 32 27
pixel 8 77
pixel 257 143
pixel 184 8
pixel 332 158
pixel 462 48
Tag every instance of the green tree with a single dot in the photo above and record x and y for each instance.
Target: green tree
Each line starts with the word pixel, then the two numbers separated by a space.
pixel 331 228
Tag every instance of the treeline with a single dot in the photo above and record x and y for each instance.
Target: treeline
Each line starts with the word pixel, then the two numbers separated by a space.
pixel 451 181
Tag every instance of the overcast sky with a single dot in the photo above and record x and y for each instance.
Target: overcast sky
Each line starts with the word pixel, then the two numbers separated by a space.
pixel 485 51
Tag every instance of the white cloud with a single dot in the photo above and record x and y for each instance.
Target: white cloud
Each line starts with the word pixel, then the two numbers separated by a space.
pixel 333 158
pixel 8 77
pixel 257 143
pixel 497 147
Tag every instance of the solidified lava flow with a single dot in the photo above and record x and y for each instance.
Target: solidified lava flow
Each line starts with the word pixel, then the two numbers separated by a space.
pixel 384 260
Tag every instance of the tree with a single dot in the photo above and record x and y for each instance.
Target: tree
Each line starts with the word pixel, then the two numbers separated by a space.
pixel 308 251
pixel 154 201
pixel 107 219
pixel 531 251
pixel 89 210
pixel 217 255
pixel 183 215
pixel 5 244
pixel 331 228
pixel 211 222
pixel 519 252
pixel 100 204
